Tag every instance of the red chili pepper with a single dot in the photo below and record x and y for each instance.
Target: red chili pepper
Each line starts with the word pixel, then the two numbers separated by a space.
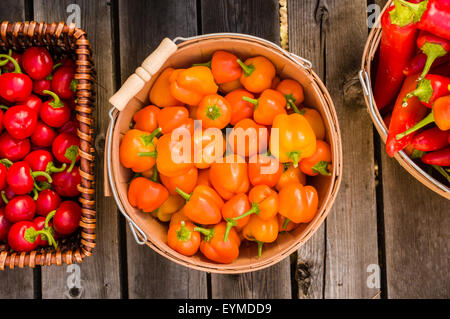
pixel 432 16
pixel 63 82
pixel 417 63
pixel 66 218
pixel 37 62
pixel 430 89
pixel 54 113
pixel 433 47
pixel 429 140
pixel 15 86
pixel 42 160
pixel 65 183
pixel 4 225
pixel 438 158
pixel 43 135
pixel 48 200
pixel 19 208
pixel 13 149
pixel 404 117
pixel 65 148
pixel 20 121
pixel 20 177
pixel 33 102
pixel 396 49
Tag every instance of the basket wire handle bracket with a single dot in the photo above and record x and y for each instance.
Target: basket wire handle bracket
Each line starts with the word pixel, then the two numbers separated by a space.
pixel 134 228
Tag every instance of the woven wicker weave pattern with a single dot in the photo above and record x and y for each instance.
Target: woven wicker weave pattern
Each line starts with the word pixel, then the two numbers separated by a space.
pixel 71 40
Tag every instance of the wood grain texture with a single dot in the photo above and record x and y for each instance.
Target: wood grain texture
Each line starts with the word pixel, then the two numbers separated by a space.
pixel 229 16
pixel 143 24
pixel 352 224
pixel 306 40
pixel 17 283
pixel 100 273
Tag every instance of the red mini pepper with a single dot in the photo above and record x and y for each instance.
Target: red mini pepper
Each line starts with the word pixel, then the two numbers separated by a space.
pixel 19 208
pixel 20 177
pixel 42 160
pixel 54 113
pixel 430 89
pixel 66 183
pixel 13 149
pixel 66 218
pixel 432 139
pixel 43 135
pixel 65 148
pixel 33 102
pixel 15 86
pixel 20 121
pixel 63 82
pixel 37 62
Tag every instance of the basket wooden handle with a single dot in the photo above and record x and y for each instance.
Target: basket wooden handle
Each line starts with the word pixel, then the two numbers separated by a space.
pixel 151 65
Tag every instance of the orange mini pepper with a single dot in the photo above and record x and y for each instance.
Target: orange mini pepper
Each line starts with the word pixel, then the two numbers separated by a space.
pixel 290 174
pixel 203 205
pixel 240 109
pixel 146 195
pixel 270 104
pixel 315 120
pixel 203 177
pixel 261 231
pixel 214 111
pixel 264 169
pixel 206 148
pixel 235 207
pixel 296 139
pixel 215 248
pixel 191 85
pixel 137 150
pixel 178 217
pixel 170 118
pixel 224 67
pixel 146 119
pixel 182 238
pixel 248 138
pixel 186 182
pixel 160 92
pixel 258 73
pixel 319 162
pixel 229 176
pixel 230 86
pixel 173 204
pixel 298 203
pixel 174 155
pixel 292 91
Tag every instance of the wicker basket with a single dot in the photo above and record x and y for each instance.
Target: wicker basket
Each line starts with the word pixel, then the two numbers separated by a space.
pixel 366 78
pixel 134 94
pixel 62 39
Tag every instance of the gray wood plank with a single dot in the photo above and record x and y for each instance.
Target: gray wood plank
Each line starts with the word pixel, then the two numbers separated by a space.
pixel 143 24
pixel 100 273
pixel 305 40
pixel 351 227
pixel 17 283
pixel 247 17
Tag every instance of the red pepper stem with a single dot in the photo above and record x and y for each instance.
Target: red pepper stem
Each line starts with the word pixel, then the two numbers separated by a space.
pixel 286 222
pixel 5 199
pixel 432 51
pixel 186 196
pixel 248 69
pixel 40 173
pixel 427 120
pixel 254 210
pixel 56 103
pixel 13 61
pixel 208 233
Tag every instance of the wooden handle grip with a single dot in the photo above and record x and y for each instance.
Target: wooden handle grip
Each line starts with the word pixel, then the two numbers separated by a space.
pixel 151 65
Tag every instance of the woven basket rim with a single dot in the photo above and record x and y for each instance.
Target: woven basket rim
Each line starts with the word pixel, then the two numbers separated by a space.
pixel 18 35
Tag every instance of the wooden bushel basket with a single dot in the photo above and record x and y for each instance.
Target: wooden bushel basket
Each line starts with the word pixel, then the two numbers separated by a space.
pixel 134 95
pixel 366 77
pixel 61 39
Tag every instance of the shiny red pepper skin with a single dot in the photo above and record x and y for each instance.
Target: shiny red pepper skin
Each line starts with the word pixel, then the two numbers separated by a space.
pixel 37 62
pixel 16 237
pixel 19 178
pixel 397 46
pixel 33 102
pixel 43 135
pixel 13 149
pixel 15 87
pixel 432 139
pixel 439 158
pixel 54 113
pixel 3 171
pixel 20 208
pixel 63 82
pixel 20 121
pixel 70 127
pixel 67 218
pixel 433 47
pixel 65 183
pixel 65 148
pixel 48 200
pixel 40 86
pixel 4 225
pixel 436 18
pixel 42 160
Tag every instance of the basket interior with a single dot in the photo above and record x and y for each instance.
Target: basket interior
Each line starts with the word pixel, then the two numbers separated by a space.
pixel 156 231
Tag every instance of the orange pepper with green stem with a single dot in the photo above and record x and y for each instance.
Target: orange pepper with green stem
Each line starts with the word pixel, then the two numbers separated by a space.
pixel 261 231
pixel 146 119
pixel 290 174
pixel 160 92
pixel 240 109
pixel 292 91
pixel 214 111
pixel 146 195
pixel 186 182
pixel 170 118
pixel 270 104
pixel 295 139
pixel 236 206
pixel 137 150
pixel 229 176
pixel 174 155
pixel 215 248
pixel 203 205
pixel 182 238
pixel 298 203
pixel 248 138
pixel 224 67
pixel 258 73
pixel 191 85
pixel 319 162
pixel 264 169
pixel 288 226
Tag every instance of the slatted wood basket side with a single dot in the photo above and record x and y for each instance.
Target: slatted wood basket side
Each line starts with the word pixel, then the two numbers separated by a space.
pixel 72 41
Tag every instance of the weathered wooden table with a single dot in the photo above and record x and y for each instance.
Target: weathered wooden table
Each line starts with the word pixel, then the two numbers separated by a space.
pixel 383 222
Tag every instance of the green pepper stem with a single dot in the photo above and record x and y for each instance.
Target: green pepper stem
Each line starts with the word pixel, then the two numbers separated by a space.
pixel 208 233
pixel 49 217
pixel 230 224
pixel 151 154
pixel 322 168
pixel 155 174
pixel 207 64
pixel 296 110
pixel 248 69
pixel 286 222
pixel 427 120
pixel 260 247
pixel 432 51
pixel 31 235
pixel 51 168
pixel 183 234
pixel 56 103
pixel 57 65
pixel 186 196
pixel 295 156
pixel 40 173
pixel 4 107
pixel 13 61
pixel 250 100
pixel 254 210
pixel 424 91
pixel 35 194
pixel 6 162
pixel 5 199
pixel 442 171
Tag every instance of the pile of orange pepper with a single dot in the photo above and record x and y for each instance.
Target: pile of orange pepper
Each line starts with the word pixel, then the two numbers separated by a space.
pixel 219 194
